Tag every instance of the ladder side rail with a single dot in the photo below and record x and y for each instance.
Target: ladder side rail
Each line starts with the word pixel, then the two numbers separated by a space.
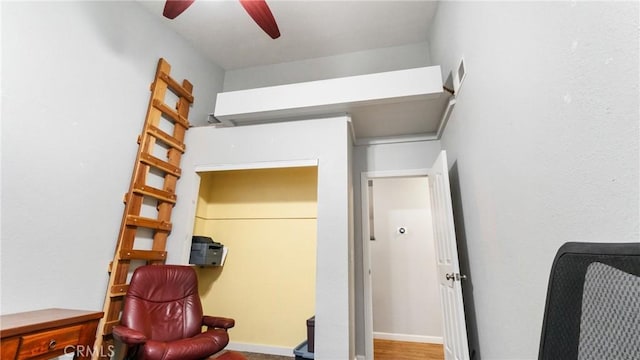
pixel 174 156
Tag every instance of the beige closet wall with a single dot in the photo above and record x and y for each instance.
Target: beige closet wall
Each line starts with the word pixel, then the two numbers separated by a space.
pixel 267 219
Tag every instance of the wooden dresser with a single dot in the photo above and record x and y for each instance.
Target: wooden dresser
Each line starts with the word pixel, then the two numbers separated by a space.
pixel 44 334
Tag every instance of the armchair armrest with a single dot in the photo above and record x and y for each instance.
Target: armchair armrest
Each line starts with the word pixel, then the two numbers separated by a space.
pixel 128 335
pixel 218 322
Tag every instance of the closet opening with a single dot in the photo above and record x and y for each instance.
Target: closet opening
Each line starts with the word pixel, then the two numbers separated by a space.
pixel 266 218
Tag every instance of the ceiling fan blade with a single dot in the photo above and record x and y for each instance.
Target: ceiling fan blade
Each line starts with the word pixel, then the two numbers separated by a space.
pixel 261 14
pixel 173 8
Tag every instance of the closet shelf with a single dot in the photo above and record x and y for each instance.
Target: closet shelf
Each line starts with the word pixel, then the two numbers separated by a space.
pixel 393 103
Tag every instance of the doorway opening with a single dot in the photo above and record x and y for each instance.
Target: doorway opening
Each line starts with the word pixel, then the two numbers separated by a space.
pixel 266 218
pixel 402 304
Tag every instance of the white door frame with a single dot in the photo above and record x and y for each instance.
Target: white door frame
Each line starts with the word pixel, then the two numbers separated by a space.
pixel 365 176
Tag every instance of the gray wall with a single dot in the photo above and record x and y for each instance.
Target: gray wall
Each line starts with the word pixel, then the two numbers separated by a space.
pixel 543 148
pixel 75 89
pixel 404 281
pixel 355 63
pixel 324 140
pixel 543 143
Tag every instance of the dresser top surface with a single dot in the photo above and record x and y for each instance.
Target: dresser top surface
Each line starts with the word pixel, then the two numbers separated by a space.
pixel 20 323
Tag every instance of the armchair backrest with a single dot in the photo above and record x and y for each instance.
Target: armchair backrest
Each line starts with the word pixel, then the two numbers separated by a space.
pixel 163 302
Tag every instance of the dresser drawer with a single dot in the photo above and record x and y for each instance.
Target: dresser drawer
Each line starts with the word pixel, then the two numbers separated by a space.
pixel 9 348
pixel 44 334
pixel 48 341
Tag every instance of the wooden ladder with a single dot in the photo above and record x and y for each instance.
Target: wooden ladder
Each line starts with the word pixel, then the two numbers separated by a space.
pixel 150 231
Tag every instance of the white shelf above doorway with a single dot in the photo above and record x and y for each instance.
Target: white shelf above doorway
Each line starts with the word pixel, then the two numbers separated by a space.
pixel 400 103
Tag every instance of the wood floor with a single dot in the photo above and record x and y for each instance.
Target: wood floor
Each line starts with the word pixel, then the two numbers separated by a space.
pixel 401 350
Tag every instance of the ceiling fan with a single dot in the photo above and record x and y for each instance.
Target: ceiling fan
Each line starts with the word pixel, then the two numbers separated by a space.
pixel 257 9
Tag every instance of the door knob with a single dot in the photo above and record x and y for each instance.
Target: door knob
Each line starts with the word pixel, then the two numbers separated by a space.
pixel 455 277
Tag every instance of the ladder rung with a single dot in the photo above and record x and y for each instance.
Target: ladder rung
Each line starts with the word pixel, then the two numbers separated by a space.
pixel 155 193
pixel 176 87
pixel 119 290
pixel 166 138
pixel 143 255
pixel 134 220
pixel 172 113
pixel 160 164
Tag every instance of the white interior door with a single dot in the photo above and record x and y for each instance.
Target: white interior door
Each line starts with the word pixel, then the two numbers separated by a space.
pixel 449 278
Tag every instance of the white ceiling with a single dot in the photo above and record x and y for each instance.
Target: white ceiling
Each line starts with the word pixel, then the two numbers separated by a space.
pixel 310 29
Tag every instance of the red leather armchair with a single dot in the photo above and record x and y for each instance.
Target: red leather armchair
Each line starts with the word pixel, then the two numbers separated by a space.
pixel 162 317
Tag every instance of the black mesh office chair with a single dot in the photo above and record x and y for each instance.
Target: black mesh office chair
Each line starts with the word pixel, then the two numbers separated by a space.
pixel 593 303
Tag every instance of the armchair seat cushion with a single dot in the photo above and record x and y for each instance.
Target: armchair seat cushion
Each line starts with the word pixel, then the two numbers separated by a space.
pixel 197 347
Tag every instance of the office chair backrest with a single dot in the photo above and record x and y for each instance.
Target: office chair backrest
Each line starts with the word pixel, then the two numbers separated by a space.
pixel 163 302
pixel 593 294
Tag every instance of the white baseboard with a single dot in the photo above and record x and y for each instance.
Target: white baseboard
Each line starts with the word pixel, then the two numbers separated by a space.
pixel 261 349
pixel 408 337
pixel 360 357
